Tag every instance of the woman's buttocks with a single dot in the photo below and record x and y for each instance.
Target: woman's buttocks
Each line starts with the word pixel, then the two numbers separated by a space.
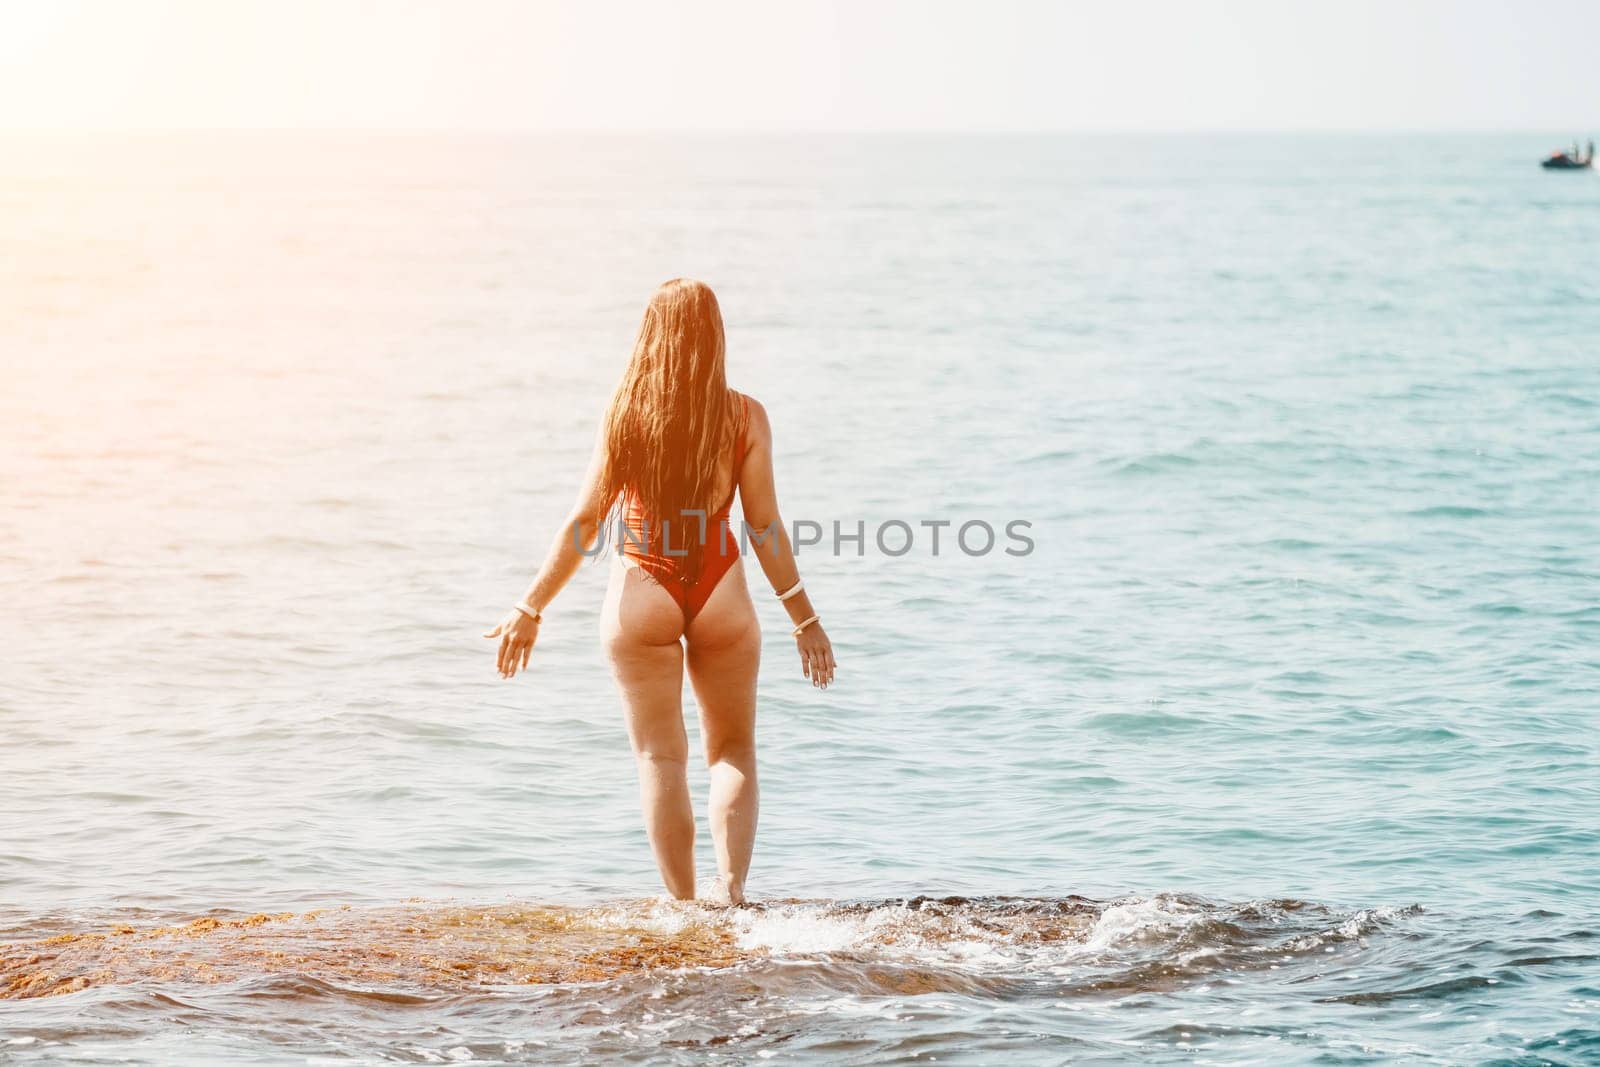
pixel 638 606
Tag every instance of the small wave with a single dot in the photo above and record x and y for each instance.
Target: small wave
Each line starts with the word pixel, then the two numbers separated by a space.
pixel 1140 723
pixel 1355 927
pixel 1547 961
pixel 1153 463
pixel 1432 991
pixel 1498 608
pixel 1050 458
pixel 1449 511
pixel 975 946
pixel 1287 544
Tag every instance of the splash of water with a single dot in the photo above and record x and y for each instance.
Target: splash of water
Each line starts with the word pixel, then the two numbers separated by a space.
pixel 908 945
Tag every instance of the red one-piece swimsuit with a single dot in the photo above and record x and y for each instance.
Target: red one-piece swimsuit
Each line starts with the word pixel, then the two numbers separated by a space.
pixel 642 538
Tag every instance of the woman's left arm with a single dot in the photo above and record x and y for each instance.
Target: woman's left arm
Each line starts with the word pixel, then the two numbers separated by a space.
pixel 518 630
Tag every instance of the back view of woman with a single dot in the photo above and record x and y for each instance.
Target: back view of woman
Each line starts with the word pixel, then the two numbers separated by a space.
pixel 674 449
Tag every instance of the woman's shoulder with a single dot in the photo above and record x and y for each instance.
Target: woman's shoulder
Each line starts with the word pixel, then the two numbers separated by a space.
pixel 756 426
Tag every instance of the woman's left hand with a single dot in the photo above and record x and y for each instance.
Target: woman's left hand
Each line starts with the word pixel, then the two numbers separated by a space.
pixel 517 633
pixel 816 655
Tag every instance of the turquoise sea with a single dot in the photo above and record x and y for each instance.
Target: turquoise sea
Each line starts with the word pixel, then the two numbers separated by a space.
pixel 1280 746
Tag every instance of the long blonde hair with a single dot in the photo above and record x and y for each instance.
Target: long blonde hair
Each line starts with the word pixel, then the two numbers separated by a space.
pixel 673 418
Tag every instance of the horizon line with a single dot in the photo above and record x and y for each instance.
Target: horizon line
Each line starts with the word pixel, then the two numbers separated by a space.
pixel 508 131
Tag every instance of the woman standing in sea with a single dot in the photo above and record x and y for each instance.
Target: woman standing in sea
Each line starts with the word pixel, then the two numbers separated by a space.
pixel 674 447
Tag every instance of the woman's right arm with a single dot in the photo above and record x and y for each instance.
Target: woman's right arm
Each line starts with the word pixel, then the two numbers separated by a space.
pixel 518 631
pixel 758 497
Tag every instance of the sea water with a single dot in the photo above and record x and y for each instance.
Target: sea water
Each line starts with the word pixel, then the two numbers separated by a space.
pixel 1278 745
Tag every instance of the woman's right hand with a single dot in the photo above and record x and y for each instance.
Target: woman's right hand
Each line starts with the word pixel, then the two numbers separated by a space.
pixel 816 655
pixel 517 633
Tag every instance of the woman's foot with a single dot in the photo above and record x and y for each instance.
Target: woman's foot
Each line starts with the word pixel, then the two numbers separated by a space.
pixel 732 888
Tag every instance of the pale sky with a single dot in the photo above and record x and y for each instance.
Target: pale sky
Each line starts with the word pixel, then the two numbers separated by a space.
pixel 760 65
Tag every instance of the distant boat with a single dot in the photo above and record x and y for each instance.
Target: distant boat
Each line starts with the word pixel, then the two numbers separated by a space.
pixel 1573 160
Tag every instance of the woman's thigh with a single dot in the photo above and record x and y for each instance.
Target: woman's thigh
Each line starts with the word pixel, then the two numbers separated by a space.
pixel 724 658
pixel 641 628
